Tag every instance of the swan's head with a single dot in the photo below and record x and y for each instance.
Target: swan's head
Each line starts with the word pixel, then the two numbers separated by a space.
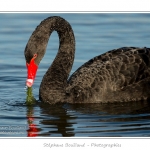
pixel 31 71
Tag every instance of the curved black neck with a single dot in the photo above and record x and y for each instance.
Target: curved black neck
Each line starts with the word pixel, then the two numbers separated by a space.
pixel 57 74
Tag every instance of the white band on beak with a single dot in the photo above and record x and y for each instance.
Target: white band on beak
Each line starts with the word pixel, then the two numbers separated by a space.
pixel 29 82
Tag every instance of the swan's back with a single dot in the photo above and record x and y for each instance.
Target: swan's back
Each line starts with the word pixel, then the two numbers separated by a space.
pixel 119 75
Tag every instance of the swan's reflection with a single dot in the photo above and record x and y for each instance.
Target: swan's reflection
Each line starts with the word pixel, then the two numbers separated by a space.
pixel 91 119
pixel 33 130
pixel 57 120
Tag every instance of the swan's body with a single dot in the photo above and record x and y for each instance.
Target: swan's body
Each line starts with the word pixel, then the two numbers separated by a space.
pixel 116 76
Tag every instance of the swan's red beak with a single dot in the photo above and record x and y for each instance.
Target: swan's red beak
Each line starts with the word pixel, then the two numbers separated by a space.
pixel 31 71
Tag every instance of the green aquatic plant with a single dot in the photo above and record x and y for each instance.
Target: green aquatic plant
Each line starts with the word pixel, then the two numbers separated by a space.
pixel 30 98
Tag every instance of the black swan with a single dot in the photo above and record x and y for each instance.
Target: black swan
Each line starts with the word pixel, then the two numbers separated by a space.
pixel 118 75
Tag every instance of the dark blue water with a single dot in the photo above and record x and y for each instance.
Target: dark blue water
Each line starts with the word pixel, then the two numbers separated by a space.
pixel 95 34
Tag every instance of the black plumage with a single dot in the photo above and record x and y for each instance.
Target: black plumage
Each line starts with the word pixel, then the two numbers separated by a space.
pixel 118 75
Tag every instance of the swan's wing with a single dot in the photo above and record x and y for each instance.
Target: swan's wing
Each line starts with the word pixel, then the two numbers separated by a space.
pixel 111 71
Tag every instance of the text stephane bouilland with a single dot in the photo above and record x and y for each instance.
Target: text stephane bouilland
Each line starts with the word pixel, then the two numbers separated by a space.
pixel 52 145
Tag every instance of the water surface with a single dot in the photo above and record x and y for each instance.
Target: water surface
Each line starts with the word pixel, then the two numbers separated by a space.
pixel 95 34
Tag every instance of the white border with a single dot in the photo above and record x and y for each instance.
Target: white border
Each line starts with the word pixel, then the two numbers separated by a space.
pixel 75 143
pixel 74 5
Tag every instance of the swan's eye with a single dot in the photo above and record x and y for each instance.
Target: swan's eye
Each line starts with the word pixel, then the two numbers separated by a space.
pixel 34 56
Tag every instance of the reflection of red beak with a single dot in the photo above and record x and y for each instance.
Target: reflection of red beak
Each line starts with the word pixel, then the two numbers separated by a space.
pixel 31 72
